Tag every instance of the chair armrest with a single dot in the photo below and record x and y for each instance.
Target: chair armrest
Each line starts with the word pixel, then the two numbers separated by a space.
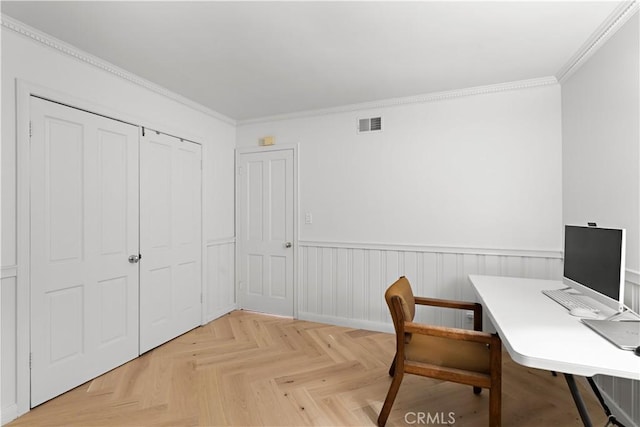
pixel 464 305
pixel 453 333
pixel 446 303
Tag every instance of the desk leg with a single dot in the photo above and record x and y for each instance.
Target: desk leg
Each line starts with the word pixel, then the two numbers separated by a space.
pixel 582 410
pixel 596 391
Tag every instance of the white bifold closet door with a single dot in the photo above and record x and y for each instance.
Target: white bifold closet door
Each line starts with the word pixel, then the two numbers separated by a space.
pixel 83 228
pixel 170 238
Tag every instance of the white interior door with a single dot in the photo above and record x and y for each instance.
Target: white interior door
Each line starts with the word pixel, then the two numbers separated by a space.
pixel 265 231
pixel 84 226
pixel 170 238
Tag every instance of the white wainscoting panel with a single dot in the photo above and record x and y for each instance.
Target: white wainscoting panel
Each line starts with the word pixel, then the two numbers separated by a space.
pixel 344 283
pixel 8 367
pixel 632 290
pixel 219 292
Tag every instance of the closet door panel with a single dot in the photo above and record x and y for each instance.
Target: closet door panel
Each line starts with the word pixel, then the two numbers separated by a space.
pixel 83 226
pixel 171 239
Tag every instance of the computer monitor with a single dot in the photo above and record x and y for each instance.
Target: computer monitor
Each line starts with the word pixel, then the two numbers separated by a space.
pixel 594 263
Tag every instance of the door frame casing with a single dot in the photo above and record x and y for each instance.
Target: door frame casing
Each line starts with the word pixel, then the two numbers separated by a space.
pixel 24 91
pixel 258 150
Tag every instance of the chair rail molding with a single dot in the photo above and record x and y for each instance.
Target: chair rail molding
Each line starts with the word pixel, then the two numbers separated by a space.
pixel 408 247
pixel 222 241
pixel 9 271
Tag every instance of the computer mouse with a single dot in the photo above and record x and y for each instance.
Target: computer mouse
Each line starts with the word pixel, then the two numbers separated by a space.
pixel 637 351
pixel 584 313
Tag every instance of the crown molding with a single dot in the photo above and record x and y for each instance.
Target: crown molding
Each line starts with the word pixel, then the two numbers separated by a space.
pixel 609 27
pixel 416 99
pixel 72 51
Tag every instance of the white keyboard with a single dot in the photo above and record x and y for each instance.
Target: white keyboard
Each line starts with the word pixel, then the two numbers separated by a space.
pixel 568 300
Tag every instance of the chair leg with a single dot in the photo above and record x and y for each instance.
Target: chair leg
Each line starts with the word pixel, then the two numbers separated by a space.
pixel 495 391
pixel 495 405
pixel 391 396
pixel 392 368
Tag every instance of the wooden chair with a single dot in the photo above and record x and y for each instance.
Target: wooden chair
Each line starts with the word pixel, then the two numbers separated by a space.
pixel 450 354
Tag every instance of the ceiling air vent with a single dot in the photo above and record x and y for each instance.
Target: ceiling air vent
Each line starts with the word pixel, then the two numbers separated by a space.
pixel 372 124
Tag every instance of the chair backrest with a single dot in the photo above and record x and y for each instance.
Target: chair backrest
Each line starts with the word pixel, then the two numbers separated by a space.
pixel 401 289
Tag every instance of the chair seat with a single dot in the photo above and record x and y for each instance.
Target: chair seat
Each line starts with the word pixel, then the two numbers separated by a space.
pixel 450 353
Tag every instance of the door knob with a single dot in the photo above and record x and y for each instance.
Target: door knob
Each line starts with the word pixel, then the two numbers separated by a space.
pixel 134 258
pixel 288 245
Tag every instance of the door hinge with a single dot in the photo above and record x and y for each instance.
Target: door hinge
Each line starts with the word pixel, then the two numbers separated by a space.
pixel 30 129
pixel 30 360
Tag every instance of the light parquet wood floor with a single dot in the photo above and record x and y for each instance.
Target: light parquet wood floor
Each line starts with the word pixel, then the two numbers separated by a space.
pixel 249 369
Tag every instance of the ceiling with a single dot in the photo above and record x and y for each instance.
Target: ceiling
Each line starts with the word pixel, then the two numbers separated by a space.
pixel 255 59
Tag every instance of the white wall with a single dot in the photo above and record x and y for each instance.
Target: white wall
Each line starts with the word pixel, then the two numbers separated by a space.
pixel 478 171
pixel 601 140
pixel 601 162
pixel 470 184
pixel 31 61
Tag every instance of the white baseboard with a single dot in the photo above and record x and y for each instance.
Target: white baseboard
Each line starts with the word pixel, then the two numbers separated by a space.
pixel 347 323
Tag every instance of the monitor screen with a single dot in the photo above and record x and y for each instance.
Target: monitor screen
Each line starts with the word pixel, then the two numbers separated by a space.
pixel 594 260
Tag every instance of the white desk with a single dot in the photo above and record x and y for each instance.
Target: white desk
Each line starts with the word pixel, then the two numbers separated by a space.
pixel 540 333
